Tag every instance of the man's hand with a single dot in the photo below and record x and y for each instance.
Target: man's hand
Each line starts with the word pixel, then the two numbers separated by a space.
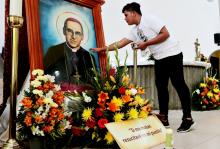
pixel 141 45
pixel 97 49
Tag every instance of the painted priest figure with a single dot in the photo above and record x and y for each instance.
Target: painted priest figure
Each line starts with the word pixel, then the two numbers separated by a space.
pixel 68 61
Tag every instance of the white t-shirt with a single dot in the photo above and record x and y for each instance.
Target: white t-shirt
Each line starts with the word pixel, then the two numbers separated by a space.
pixel 149 28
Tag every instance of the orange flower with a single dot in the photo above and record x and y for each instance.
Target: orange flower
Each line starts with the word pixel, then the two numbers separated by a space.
pixel 53 112
pixel 131 86
pixel 27 102
pixel 140 90
pixel 103 96
pixel 58 97
pixel 203 94
pixel 113 107
pixel 28 121
pixel 29 113
pixel 146 108
pixel 51 85
pixel 38 119
pixel 60 116
pixel 126 98
pixel 40 101
pixel 206 90
pixel 48 129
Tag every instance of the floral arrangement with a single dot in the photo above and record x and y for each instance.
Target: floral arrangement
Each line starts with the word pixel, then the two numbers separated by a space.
pixel 41 111
pixel 206 95
pixel 114 99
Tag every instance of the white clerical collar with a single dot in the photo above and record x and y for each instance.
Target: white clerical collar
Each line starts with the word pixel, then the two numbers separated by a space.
pixel 73 49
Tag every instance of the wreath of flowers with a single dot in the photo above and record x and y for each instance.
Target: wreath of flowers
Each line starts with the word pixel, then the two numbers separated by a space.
pixel 114 99
pixel 41 111
pixel 206 95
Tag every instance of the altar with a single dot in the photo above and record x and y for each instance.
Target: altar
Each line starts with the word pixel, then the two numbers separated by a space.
pixel 194 72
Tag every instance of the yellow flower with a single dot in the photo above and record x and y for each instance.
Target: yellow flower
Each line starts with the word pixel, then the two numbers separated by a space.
pixel 203 85
pixel 216 90
pixel 38 92
pixel 210 94
pixel 112 79
pixel 117 101
pixel 94 135
pixel 39 72
pixel 133 113
pixel 128 92
pixel 118 117
pixel 139 100
pixel 87 113
pixel 125 80
pixel 109 138
pixel 143 114
pixel 42 78
pixel 217 97
pixel 35 83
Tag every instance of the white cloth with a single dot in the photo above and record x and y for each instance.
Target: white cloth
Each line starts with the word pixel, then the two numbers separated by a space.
pixel 4 121
pixel 148 28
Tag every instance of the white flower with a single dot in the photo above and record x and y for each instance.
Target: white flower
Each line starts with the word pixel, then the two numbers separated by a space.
pixel 37 131
pixel 86 128
pixel 53 104
pixel 197 91
pixel 39 110
pixel 38 92
pixel 35 83
pixel 49 94
pixel 42 78
pixel 86 98
pixel 133 91
pixel 39 72
pixel 50 78
pixel 48 100
pixel 57 87
pixel 67 125
pixel 68 114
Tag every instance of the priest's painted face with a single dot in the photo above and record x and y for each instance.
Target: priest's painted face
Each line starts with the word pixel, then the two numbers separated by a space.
pixel 73 32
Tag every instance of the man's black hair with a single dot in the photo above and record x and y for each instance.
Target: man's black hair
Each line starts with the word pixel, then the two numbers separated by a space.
pixel 132 7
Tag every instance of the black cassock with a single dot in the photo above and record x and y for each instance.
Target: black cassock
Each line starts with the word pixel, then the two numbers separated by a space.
pixel 68 66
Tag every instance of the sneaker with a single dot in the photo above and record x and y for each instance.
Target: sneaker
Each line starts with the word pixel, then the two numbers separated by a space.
pixel 186 125
pixel 164 120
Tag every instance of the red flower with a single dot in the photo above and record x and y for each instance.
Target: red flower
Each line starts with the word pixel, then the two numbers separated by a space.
pixel 121 90
pixel 112 72
pixel 102 122
pixel 91 123
pixel 98 112
pixel 76 131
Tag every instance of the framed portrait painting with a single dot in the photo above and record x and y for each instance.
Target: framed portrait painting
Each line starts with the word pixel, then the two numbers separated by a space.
pixel 46 21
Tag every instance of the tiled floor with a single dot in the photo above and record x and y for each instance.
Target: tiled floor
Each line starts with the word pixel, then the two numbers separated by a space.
pixel 205 135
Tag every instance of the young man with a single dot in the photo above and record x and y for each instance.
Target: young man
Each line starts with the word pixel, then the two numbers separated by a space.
pixel 150 32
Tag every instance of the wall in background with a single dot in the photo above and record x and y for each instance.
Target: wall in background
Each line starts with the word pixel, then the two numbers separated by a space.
pixel 186 20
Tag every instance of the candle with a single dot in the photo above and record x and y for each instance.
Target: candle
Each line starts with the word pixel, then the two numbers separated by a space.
pixel 169 139
pixel 15 8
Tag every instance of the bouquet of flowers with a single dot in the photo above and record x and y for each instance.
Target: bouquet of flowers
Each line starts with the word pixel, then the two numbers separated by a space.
pixel 114 99
pixel 41 111
pixel 206 94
